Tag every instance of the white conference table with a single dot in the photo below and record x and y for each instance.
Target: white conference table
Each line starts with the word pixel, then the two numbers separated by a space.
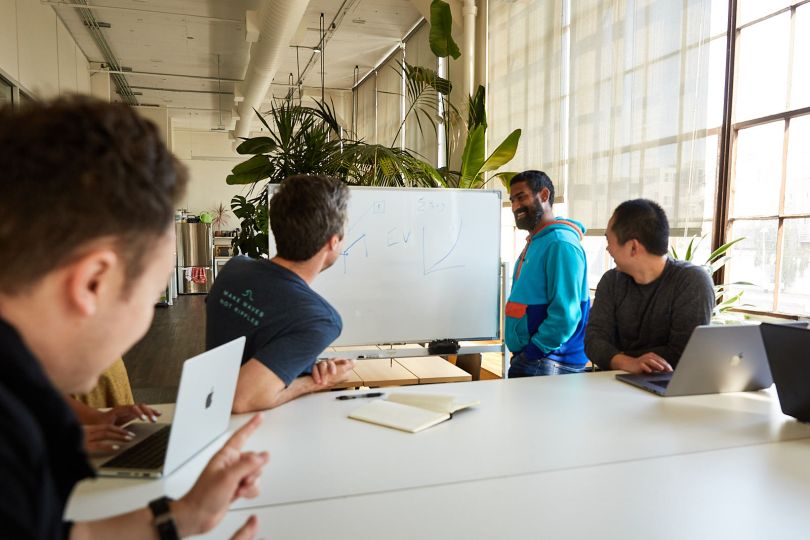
pixel 524 434
pixel 750 492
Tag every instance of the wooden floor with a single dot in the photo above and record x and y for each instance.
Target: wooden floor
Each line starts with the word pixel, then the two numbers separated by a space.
pixel 154 363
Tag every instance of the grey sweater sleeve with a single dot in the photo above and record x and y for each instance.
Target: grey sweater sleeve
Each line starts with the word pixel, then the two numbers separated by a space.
pixel 600 334
pixel 692 307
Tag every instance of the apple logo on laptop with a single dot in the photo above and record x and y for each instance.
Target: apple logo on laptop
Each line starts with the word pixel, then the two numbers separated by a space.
pixel 209 398
pixel 736 360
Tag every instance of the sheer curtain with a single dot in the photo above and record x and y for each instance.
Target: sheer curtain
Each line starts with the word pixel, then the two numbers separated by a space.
pixel 380 104
pixel 612 98
pixel 417 53
pixel 366 113
pixel 389 101
pixel 526 84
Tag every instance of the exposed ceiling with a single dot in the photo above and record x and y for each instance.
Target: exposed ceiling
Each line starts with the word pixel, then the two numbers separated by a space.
pixel 172 48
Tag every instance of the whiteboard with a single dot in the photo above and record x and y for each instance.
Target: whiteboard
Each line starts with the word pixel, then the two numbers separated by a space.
pixel 416 265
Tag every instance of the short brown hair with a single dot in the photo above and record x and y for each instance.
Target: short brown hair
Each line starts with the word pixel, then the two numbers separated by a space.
pixel 76 170
pixel 306 211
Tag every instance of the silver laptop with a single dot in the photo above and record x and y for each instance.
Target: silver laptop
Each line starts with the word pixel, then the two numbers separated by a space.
pixel 201 414
pixel 717 359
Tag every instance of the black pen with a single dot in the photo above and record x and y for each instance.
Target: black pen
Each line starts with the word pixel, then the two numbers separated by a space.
pixel 354 396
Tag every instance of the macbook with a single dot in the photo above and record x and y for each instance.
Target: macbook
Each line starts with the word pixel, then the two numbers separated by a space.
pixel 201 414
pixel 716 359
pixel 788 349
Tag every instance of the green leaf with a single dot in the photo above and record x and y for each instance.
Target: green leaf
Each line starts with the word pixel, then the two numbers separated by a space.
pixel 672 252
pixel 256 145
pixel 719 263
pixel 441 29
pixel 473 157
pixel 726 304
pixel 244 178
pixel 688 256
pixel 506 178
pixel 254 164
pixel 261 119
pixel 477 112
pixel 504 153
pixel 722 249
pixel 420 77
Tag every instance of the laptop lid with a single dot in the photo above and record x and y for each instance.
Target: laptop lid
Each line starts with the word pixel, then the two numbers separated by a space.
pixel 721 358
pixel 716 359
pixel 788 350
pixel 202 412
pixel 204 401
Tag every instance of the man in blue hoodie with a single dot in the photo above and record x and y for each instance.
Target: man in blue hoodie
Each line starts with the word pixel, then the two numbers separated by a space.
pixel 548 306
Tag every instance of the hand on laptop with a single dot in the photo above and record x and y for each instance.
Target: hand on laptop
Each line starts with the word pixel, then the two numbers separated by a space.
pixel 125 413
pixel 229 475
pixel 646 363
pixel 103 439
pixel 330 372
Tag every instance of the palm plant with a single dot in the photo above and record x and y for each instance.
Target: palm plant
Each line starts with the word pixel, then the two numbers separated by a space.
pixel 429 103
pixel 474 162
pixel 308 140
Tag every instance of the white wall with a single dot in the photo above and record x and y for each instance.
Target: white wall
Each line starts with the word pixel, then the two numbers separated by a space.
pixel 160 116
pixel 209 156
pixel 8 38
pixel 38 52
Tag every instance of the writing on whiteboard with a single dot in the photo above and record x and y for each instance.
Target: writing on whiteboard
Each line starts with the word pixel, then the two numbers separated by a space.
pixel 429 266
pixel 345 252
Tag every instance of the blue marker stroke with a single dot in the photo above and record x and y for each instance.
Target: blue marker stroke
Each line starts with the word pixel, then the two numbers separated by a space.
pixel 433 267
pixel 345 252
pixel 394 241
pixel 388 241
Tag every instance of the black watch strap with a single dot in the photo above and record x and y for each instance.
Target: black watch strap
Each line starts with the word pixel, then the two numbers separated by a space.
pixel 164 522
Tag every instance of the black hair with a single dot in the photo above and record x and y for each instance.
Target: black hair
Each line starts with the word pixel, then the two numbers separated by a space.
pixel 645 221
pixel 537 180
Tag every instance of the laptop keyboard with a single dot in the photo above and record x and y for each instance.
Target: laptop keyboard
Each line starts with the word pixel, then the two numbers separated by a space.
pixel 150 453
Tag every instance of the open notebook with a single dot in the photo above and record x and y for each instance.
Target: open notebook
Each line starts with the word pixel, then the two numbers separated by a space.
pixel 411 412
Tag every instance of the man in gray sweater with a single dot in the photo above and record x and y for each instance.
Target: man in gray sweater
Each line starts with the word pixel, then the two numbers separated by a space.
pixel 646 308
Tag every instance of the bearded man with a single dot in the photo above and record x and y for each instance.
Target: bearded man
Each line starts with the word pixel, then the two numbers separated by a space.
pixel 548 304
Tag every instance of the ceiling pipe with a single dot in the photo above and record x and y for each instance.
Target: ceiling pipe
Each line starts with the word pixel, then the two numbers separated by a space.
pixel 279 20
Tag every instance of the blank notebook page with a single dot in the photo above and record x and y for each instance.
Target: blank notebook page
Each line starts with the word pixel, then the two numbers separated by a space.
pixel 398 416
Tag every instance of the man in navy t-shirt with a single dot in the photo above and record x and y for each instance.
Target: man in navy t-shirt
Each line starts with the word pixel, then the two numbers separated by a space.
pixel 286 323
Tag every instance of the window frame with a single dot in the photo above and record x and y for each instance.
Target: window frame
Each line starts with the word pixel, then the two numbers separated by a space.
pixel 729 133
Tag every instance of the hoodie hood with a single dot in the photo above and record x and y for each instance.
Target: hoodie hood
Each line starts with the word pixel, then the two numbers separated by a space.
pixel 561 223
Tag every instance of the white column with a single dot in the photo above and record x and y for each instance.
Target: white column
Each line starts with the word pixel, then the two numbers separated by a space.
pixel 469 12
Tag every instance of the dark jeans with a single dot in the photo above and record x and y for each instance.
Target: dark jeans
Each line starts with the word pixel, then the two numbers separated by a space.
pixel 521 367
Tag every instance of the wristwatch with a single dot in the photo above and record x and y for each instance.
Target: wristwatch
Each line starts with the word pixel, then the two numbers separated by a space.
pixel 164 521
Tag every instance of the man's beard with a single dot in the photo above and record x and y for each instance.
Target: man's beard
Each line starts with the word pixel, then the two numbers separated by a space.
pixel 529 217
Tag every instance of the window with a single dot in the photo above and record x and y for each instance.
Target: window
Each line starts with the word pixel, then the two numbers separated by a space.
pixel 622 99
pixel 770 178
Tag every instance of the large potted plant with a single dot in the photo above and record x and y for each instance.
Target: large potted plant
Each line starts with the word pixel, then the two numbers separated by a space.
pixel 429 97
pixel 308 140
